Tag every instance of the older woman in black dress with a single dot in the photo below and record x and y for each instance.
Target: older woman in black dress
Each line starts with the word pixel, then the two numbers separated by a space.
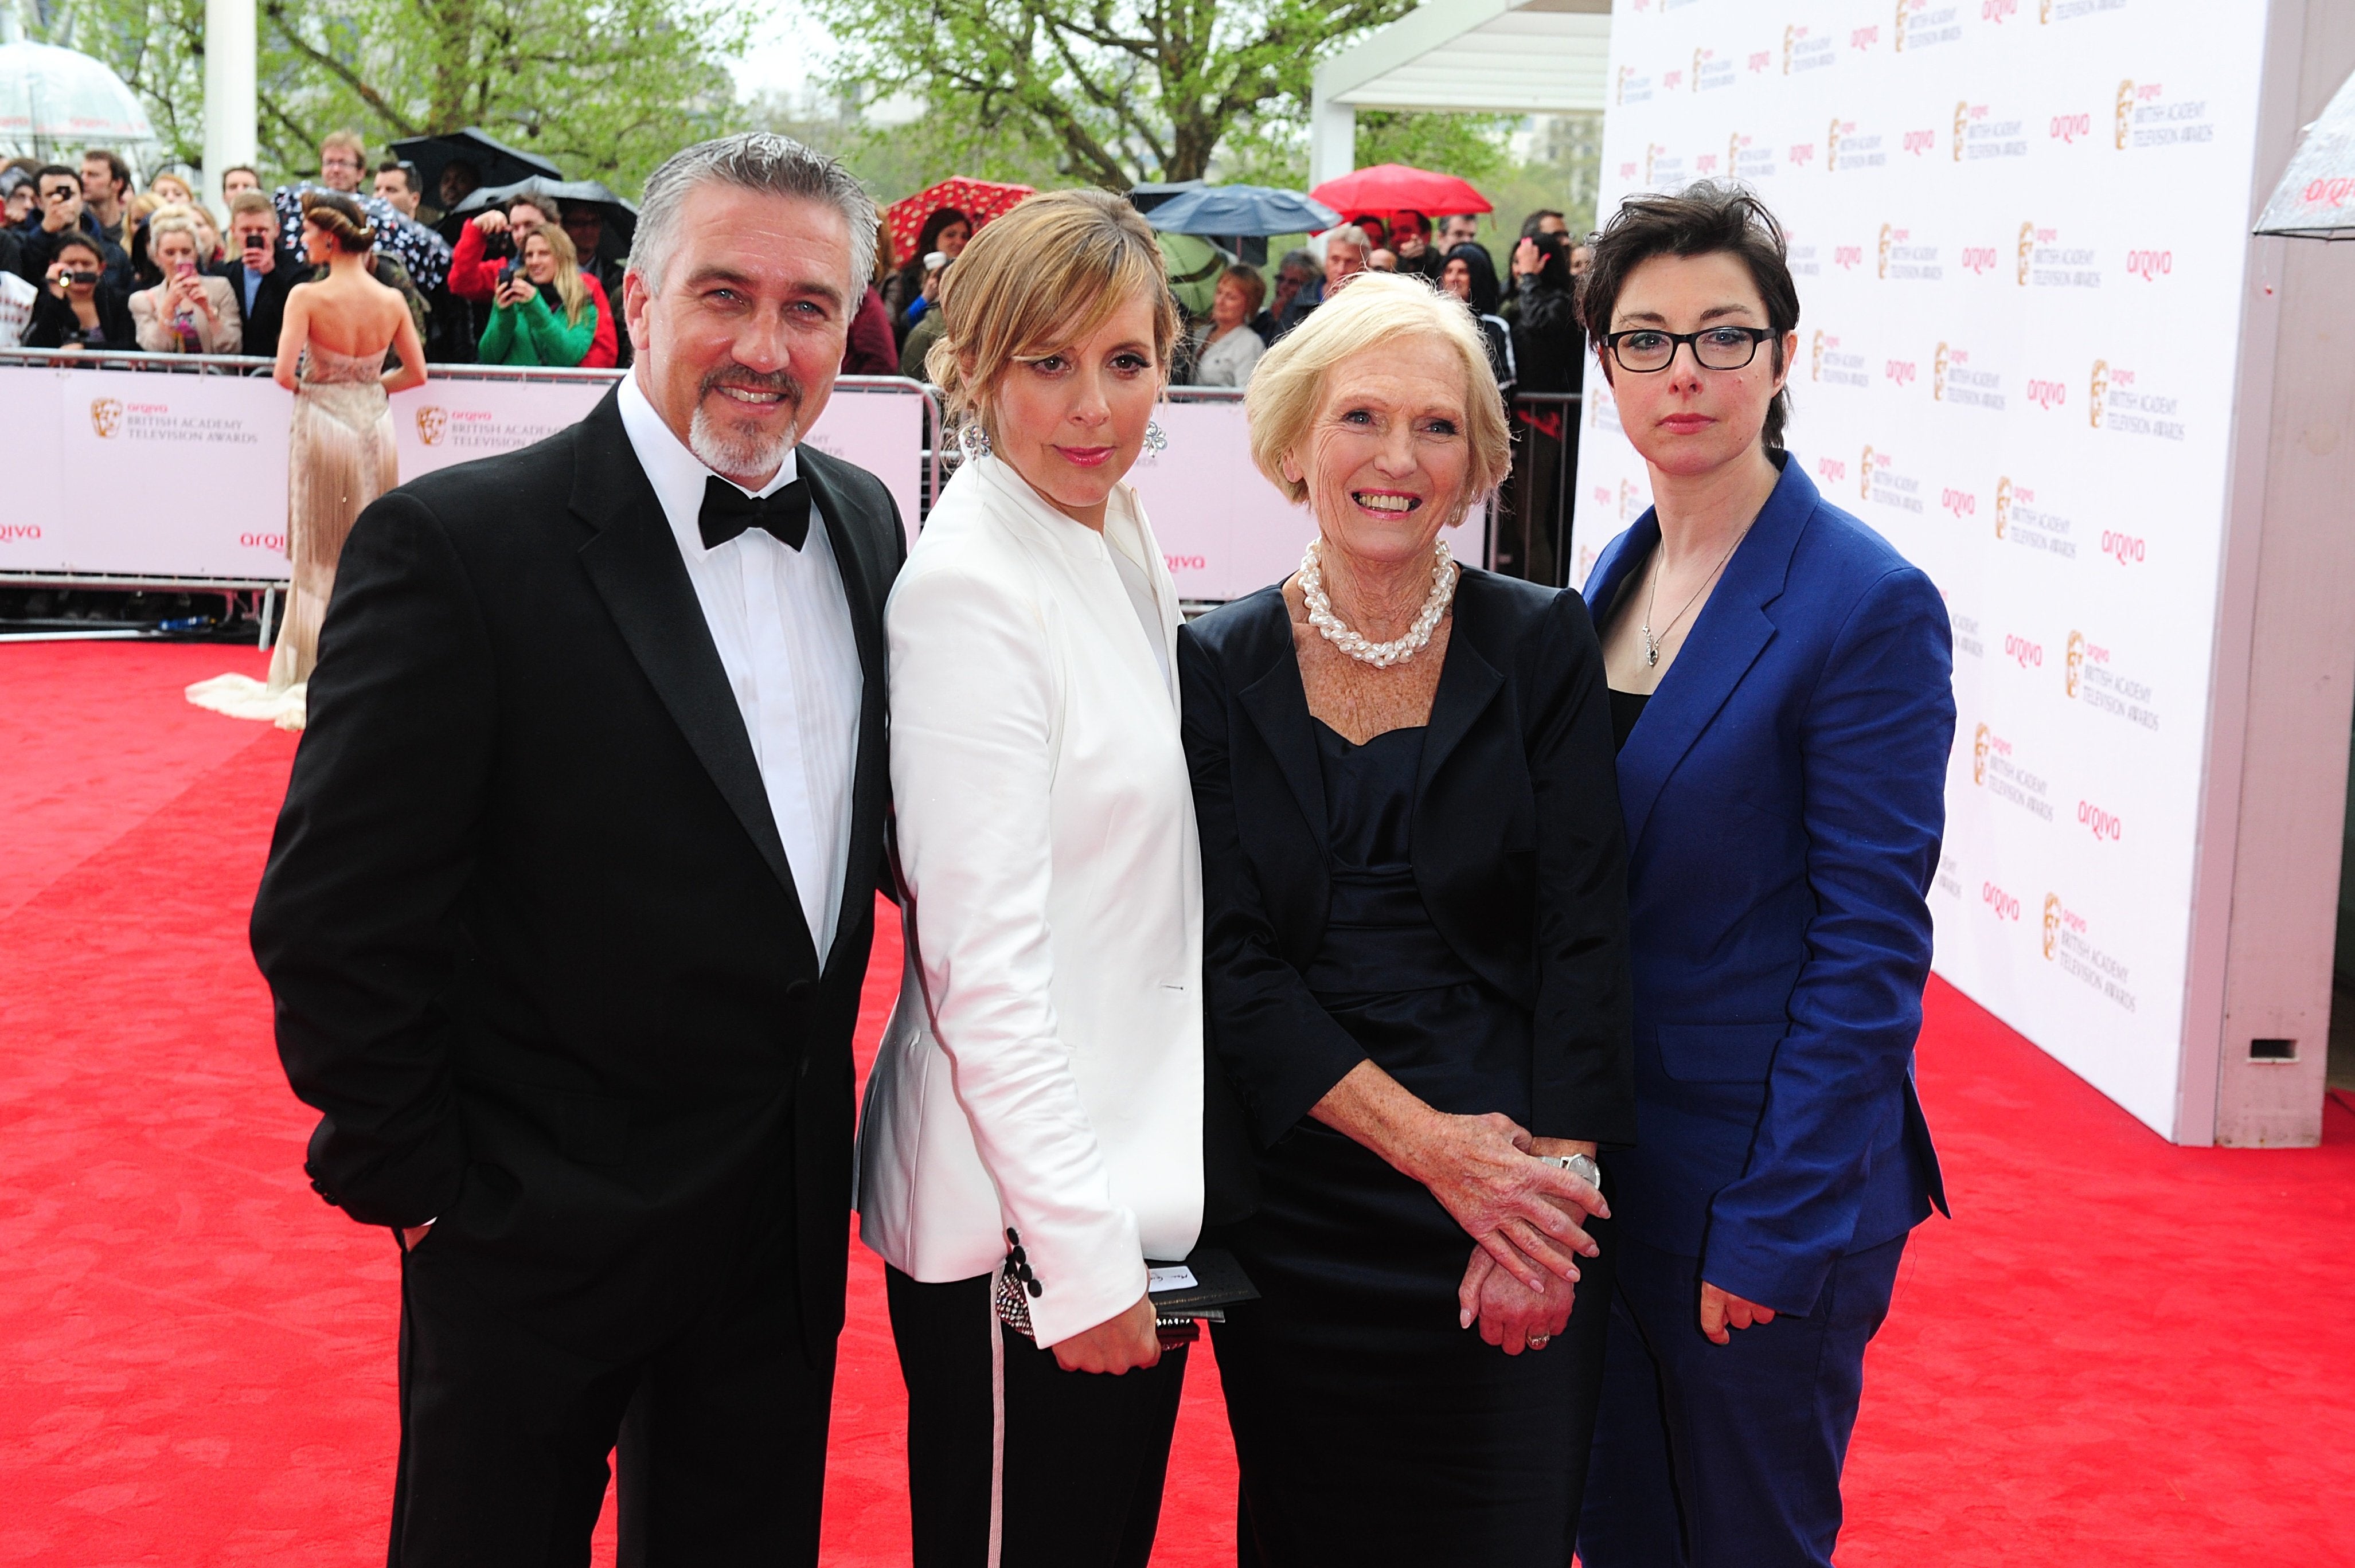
pixel 1415 952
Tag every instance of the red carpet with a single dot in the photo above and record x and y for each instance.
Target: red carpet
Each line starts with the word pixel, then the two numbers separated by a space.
pixel 2121 1353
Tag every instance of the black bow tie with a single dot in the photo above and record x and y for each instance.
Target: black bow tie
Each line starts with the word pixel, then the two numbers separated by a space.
pixel 728 511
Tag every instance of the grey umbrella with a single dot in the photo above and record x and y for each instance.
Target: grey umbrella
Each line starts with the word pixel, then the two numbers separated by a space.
pixel 621 217
pixel 1223 209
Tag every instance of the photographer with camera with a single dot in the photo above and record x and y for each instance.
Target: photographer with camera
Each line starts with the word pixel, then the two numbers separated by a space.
pixel 542 313
pixel 78 307
pixel 257 270
pixel 188 312
pixel 489 242
pixel 61 213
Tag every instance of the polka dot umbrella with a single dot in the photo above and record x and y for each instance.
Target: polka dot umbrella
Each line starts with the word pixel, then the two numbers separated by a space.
pixel 980 200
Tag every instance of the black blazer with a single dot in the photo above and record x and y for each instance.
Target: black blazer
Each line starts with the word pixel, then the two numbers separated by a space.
pixel 53 324
pixel 1519 851
pixel 533 938
pixel 267 314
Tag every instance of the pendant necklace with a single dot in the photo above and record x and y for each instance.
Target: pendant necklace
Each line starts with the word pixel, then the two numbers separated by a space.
pixel 1660 570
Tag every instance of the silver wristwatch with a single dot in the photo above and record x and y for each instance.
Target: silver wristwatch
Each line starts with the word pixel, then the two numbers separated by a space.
pixel 1582 1166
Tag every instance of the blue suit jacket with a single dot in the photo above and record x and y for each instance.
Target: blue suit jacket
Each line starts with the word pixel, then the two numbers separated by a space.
pixel 1784 792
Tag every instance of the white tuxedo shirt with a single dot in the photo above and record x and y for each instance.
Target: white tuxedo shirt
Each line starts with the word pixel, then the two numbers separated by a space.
pixel 781 623
pixel 1043 1069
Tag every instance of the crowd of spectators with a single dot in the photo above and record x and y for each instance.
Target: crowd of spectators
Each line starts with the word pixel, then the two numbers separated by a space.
pixel 88 260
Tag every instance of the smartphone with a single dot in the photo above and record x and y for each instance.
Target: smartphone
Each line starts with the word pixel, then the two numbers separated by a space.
pixel 507 272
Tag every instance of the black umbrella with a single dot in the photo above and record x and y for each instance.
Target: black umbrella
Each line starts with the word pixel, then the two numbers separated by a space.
pixel 621 217
pixel 494 162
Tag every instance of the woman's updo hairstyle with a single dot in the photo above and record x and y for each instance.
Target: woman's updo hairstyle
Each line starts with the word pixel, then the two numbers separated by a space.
pixel 1042 277
pixel 340 218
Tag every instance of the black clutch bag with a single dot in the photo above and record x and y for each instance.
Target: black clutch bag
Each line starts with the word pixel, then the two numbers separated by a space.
pixel 1200 1290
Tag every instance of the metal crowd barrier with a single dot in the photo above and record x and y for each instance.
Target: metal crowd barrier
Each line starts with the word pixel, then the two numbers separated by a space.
pixel 258 596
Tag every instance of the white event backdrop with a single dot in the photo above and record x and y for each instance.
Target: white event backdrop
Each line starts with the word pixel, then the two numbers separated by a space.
pixel 2018 232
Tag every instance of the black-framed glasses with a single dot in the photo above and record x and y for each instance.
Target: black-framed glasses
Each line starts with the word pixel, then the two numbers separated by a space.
pixel 1647 348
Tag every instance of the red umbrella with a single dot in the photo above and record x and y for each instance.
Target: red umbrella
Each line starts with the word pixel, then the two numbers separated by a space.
pixel 1387 189
pixel 980 200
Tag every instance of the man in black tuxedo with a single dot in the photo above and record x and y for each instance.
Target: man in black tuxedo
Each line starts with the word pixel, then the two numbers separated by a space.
pixel 571 900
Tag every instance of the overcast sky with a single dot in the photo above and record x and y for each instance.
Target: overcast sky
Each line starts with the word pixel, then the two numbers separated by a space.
pixel 782 46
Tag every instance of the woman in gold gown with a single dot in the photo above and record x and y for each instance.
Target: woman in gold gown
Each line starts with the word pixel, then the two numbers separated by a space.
pixel 331 356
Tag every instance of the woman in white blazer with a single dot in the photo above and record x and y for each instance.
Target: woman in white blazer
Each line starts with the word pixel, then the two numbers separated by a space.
pixel 1033 1126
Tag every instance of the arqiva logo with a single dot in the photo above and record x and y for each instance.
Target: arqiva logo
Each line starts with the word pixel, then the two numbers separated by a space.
pixel 1979 259
pixel 2149 265
pixel 2006 907
pixel 1999 11
pixel 273 543
pixel 2105 827
pixel 2127 550
pixel 2047 394
pixel 2071 129
pixel 1962 502
pixel 11 533
pixel 2027 654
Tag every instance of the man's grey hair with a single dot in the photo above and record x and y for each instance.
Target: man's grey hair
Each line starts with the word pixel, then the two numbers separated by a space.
pixel 752 160
pixel 1350 234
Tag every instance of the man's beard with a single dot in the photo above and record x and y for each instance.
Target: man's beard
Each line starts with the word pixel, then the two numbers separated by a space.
pixel 725 447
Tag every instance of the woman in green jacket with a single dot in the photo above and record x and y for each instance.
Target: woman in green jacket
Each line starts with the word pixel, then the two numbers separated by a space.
pixel 543 314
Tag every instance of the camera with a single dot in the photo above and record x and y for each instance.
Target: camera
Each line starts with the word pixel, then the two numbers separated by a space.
pixel 80 277
pixel 256 241
pixel 498 244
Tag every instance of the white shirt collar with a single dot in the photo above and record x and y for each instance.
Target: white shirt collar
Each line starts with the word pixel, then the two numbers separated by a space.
pixel 676 475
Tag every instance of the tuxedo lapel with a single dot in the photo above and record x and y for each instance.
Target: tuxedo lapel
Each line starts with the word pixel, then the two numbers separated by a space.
pixel 634 563
pixel 863 577
pixel 1734 629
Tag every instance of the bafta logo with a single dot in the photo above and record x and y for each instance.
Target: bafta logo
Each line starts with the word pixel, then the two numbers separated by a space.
pixel 1898 34
pixel 2124 112
pixel 433 424
pixel 1864 475
pixel 1790 36
pixel 1696 73
pixel 1831 148
pixel 2051 922
pixel 1734 155
pixel 1961 125
pixel 106 418
pixel 2043 11
pixel 1624 73
pixel 2073 668
pixel 1815 357
pixel 1980 740
pixel 2027 249
pixel 2002 506
pixel 1884 249
pixel 2101 390
pixel 1938 375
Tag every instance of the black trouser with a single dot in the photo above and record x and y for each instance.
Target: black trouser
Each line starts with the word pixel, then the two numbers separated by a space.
pixel 1081 1458
pixel 504 1436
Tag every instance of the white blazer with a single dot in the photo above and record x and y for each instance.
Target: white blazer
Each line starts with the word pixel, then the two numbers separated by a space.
pixel 1043 1069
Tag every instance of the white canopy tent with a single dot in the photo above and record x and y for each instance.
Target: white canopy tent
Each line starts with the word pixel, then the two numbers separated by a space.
pixel 1512 57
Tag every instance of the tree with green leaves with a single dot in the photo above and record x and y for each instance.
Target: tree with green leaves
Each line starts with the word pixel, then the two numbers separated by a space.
pixel 605 89
pixel 1127 92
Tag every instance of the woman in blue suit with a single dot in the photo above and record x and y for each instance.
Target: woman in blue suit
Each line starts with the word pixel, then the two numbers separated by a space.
pixel 1782 695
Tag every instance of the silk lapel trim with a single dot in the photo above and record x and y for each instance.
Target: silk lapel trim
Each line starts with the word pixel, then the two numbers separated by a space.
pixel 633 561
pixel 860 578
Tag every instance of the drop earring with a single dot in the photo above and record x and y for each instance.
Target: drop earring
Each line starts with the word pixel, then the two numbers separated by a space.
pixel 1156 439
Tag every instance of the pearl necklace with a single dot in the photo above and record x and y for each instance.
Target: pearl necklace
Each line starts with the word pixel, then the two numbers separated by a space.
pixel 1398 650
